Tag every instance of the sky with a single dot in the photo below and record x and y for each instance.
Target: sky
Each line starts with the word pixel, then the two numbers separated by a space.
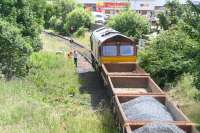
pixel 160 1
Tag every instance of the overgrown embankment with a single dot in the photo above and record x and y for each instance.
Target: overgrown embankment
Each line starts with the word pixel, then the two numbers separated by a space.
pixel 48 98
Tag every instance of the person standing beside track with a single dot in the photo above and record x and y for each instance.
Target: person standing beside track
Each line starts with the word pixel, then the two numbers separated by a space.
pixel 75 54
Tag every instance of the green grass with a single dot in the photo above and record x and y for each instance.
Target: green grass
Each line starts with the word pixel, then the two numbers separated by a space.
pixel 192 111
pixel 85 39
pixel 53 44
pixel 48 100
pixel 184 93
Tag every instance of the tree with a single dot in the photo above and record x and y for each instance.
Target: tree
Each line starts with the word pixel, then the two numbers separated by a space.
pixel 130 23
pixel 25 14
pixel 191 26
pixel 20 26
pixel 190 22
pixel 163 21
pixel 76 19
pixel 172 14
pixel 169 55
pixel 14 50
pixel 58 10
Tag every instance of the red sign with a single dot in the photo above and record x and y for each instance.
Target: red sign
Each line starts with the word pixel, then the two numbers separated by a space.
pixel 111 5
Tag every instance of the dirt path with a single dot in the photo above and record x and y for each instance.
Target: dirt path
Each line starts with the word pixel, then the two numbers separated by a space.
pixel 92 84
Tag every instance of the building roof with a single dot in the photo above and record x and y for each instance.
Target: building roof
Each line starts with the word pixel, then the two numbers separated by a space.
pixel 102 34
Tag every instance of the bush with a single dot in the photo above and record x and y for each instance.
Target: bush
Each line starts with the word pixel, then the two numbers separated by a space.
pixel 163 21
pixel 130 23
pixel 197 77
pixel 81 32
pixel 76 19
pixel 14 51
pixel 168 56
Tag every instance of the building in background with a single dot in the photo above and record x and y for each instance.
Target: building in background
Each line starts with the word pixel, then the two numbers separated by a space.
pixel 88 4
pixel 105 6
pixel 148 8
pixel 112 6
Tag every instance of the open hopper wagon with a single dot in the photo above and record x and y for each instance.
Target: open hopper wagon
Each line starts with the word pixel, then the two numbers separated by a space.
pixel 186 127
pixel 179 118
pixel 134 85
pixel 123 69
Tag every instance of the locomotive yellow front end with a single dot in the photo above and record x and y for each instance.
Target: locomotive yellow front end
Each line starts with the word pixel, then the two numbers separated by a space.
pixel 109 46
pixel 118 49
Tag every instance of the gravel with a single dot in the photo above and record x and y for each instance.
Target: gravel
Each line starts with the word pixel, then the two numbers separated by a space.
pixel 146 108
pixel 159 128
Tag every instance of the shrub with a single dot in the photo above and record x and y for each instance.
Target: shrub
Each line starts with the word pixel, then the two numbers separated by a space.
pixel 80 32
pixel 197 77
pixel 168 56
pixel 130 23
pixel 185 92
pixel 14 50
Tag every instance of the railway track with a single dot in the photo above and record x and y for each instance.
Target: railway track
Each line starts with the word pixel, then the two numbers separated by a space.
pixel 129 85
pixel 82 50
pixel 92 83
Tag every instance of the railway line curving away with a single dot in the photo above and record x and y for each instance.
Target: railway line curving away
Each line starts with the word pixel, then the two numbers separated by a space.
pixel 138 103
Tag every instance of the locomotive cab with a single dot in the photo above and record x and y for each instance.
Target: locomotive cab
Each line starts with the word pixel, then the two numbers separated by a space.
pixel 109 46
pixel 118 49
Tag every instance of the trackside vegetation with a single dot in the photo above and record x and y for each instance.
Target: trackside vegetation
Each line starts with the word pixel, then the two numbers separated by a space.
pixel 187 96
pixel 168 56
pixel 176 49
pixel 21 23
pixel 48 99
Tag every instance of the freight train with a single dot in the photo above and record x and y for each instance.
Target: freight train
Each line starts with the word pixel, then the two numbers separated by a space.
pixel 139 105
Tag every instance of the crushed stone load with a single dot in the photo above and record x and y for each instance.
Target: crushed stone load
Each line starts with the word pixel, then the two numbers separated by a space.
pixel 159 128
pixel 146 108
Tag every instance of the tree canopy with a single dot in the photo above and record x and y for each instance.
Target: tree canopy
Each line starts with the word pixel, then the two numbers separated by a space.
pixel 176 50
pixel 20 26
pixel 76 19
pixel 130 23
